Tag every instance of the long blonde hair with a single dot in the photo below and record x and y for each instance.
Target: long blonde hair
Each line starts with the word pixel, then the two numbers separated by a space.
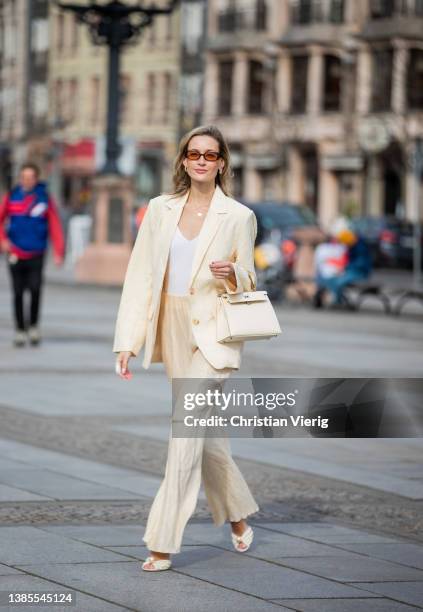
pixel 181 179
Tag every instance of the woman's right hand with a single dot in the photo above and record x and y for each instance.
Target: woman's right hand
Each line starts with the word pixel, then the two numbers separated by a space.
pixel 122 362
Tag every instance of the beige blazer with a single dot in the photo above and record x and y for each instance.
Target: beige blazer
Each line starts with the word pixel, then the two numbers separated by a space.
pixel 228 233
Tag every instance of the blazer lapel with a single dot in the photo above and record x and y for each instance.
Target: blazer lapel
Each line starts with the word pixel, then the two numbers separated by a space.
pixel 214 217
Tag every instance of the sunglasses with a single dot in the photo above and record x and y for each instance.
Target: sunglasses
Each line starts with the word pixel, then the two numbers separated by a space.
pixel 194 155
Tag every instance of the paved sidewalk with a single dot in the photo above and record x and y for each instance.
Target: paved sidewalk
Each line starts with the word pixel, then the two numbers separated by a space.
pixel 82 454
pixel 290 566
pixel 317 566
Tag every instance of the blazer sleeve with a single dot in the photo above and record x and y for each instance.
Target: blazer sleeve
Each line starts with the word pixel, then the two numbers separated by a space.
pixel 131 322
pixel 244 260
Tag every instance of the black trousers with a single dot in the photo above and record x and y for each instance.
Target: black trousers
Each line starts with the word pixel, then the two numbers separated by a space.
pixel 26 274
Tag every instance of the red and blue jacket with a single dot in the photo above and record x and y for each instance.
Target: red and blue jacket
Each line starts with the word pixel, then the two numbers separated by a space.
pixel 32 219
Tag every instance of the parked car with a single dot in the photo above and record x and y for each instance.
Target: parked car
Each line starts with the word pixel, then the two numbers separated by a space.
pixel 390 239
pixel 285 226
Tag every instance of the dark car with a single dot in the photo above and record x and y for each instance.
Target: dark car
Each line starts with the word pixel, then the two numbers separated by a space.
pixel 281 230
pixel 286 223
pixel 390 239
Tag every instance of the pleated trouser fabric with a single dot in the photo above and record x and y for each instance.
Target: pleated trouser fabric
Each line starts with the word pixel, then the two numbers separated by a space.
pixel 191 461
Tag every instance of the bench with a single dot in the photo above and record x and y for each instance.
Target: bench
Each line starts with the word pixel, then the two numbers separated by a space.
pixel 366 289
pixel 392 299
pixel 404 295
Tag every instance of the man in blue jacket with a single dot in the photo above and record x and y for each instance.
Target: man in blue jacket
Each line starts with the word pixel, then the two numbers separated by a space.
pixel 32 219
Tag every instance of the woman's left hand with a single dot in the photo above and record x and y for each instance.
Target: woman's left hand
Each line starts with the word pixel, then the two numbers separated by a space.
pixel 223 269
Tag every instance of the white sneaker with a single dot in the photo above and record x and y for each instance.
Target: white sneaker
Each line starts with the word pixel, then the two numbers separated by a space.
pixel 34 335
pixel 20 338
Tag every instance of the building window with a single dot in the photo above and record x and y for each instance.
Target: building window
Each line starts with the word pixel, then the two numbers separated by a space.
pixel 151 97
pixel 415 79
pixel 74 34
pixel 192 30
pixel 151 30
pixel 167 102
pixel 301 12
pixel 10 48
pixel 299 67
pixel 336 11
pixel 381 9
pixel 124 97
pixel 251 16
pixel 332 83
pixel 39 102
pixel 261 15
pixel 382 80
pixel 95 99
pixel 60 32
pixel 255 87
pixel 238 182
pixel 58 99
pixel 169 26
pixel 148 177
pixel 227 21
pixel 73 99
pixel 225 87
pixel 312 11
pixel 39 36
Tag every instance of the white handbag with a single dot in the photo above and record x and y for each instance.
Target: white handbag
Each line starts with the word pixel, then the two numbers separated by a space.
pixel 245 316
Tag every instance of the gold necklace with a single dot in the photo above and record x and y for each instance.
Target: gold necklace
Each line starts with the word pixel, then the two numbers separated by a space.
pixel 197 210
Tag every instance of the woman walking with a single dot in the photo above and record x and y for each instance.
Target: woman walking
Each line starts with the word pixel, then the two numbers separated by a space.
pixel 192 245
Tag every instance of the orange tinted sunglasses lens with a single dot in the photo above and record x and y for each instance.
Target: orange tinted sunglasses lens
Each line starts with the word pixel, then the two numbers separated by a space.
pixel 208 156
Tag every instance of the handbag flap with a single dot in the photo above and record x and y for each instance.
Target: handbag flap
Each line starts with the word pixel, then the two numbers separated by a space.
pixel 246 296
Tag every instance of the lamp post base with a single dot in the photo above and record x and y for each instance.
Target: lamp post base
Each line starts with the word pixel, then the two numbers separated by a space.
pixel 103 264
pixel 105 259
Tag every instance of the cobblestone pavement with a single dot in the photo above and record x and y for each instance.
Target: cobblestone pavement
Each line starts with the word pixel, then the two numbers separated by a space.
pixel 283 493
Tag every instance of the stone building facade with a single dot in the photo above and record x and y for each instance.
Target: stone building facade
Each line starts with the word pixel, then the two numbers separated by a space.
pixel 23 84
pixel 321 100
pixel 192 57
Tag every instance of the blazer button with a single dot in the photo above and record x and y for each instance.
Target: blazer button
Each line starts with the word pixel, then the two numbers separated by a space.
pixel 195 321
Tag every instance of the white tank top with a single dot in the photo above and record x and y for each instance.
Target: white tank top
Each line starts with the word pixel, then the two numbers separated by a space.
pixel 180 263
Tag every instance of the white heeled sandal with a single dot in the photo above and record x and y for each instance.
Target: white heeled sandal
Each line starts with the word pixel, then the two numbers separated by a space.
pixel 246 538
pixel 158 564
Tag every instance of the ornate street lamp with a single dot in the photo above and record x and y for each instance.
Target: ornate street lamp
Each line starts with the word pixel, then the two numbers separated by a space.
pixel 115 24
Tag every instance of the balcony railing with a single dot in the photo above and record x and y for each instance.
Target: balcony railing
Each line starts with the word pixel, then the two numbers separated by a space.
pixel 305 12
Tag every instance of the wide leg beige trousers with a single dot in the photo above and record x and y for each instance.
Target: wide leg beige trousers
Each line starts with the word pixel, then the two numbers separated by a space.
pixel 192 460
